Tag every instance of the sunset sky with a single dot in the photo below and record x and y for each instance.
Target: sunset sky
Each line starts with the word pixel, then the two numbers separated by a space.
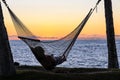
pixel 57 18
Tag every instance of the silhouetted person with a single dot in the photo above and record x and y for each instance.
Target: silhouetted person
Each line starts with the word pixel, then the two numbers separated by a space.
pixel 48 61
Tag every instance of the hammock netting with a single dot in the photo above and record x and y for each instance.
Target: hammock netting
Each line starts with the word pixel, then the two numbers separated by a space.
pixel 59 49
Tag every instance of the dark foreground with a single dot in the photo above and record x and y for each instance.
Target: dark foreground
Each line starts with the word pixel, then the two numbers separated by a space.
pixel 38 73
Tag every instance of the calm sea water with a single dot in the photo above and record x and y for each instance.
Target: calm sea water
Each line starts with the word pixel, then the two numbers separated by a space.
pixel 85 53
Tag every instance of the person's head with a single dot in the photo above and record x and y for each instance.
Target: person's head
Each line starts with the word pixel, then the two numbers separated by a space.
pixel 40 49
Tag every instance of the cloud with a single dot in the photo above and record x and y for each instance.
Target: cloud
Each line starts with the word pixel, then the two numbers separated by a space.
pixel 13 37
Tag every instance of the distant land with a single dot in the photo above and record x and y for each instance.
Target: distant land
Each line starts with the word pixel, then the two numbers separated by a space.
pixel 81 37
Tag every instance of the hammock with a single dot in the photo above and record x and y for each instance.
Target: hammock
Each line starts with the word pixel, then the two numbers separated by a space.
pixel 48 53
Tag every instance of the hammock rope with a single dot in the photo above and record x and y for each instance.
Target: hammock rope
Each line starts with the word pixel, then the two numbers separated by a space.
pixel 48 53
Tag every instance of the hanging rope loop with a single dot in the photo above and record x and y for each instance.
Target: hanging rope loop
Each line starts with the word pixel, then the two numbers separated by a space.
pixel 96 5
pixel 4 1
pixel 98 2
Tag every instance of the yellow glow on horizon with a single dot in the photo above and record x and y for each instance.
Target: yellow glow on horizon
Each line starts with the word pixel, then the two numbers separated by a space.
pixel 58 18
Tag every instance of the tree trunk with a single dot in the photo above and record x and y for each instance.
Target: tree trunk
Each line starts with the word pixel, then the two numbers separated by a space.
pixel 6 60
pixel 112 53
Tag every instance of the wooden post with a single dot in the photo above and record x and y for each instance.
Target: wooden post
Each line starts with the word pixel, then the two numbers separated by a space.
pixel 6 61
pixel 112 53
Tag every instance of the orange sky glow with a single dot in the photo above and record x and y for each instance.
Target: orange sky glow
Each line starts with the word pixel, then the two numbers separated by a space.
pixel 57 18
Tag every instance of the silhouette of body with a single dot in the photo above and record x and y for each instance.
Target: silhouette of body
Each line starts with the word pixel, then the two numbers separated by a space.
pixel 48 61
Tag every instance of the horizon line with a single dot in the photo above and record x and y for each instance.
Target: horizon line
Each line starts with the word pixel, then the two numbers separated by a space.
pixel 82 36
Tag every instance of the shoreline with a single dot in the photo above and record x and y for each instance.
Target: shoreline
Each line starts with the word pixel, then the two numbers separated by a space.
pixel 39 73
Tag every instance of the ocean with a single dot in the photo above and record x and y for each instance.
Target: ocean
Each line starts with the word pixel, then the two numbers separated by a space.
pixel 84 54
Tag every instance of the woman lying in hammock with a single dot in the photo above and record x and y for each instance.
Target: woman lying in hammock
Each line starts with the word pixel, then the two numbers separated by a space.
pixel 47 61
